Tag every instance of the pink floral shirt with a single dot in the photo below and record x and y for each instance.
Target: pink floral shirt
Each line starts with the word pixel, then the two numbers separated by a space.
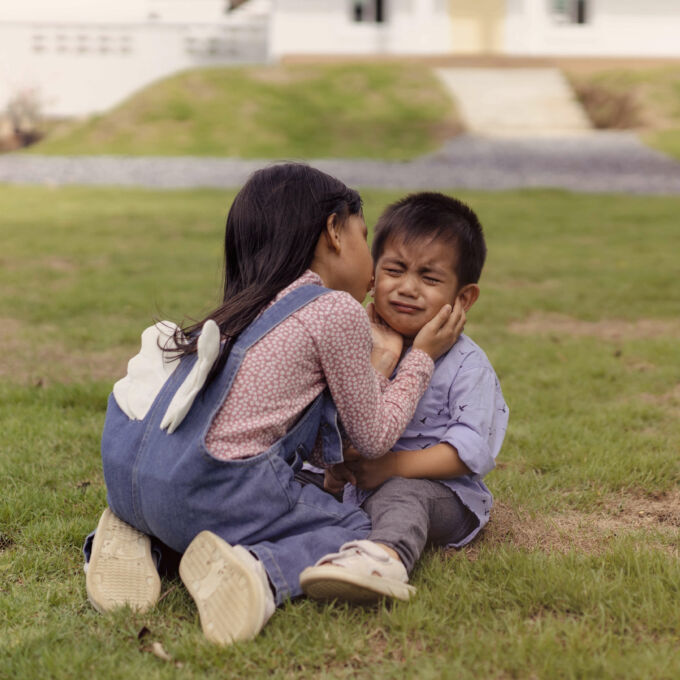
pixel 327 342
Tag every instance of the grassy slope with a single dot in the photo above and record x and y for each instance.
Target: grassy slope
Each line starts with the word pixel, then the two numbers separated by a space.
pixel 392 111
pixel 593 432
pixel 386 111
pixel 650 94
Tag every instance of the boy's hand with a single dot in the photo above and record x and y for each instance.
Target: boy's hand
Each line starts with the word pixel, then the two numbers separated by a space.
pixel 331 483
pixel 387 344
pixel 336 476
pixel 439 334
pixel 370 473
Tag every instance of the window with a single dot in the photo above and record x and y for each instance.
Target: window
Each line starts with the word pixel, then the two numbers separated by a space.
pixel 570 11
pixel 368 11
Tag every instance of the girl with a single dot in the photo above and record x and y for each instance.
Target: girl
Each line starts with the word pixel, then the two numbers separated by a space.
pixel 204 435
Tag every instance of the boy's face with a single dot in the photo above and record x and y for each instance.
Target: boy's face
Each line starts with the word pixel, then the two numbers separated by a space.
pixel 413 282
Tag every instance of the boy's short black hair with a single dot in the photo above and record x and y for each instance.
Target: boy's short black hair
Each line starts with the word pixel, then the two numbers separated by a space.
pixel 435 216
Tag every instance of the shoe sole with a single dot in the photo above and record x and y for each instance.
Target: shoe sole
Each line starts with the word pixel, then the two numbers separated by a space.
pixel 227 594
pixel 329 582
pixel 121 572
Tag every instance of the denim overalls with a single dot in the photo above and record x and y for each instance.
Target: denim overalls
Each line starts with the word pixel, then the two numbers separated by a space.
pixel 170 487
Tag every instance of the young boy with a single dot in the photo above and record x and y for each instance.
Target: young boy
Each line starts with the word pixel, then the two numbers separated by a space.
pixel 428 250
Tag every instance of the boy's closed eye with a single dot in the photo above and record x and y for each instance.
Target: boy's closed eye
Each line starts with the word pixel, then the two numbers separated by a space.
pixel 430 280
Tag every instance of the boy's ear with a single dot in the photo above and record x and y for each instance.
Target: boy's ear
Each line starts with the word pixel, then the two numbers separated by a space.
pixel 332 233
pixel 468 295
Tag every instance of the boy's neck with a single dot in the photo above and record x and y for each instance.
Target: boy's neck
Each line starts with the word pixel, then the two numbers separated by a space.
pixel 408 343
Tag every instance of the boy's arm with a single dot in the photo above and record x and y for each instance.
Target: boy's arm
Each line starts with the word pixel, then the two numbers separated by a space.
pixel 440 461
pixel 478 418
pixel 469 445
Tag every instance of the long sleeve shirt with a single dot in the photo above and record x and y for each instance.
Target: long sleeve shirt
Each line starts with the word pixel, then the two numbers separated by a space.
pixel 327 343
pixel 463 406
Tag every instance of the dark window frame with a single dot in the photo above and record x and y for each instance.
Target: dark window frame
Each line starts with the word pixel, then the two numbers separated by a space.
pixel 376 13
pixel 571 12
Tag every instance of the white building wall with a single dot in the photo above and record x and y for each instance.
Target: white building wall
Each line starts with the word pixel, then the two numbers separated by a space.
pixel 84 56
pixel 83 66
pixel 86 11
pixel 328 27
pixel 623 28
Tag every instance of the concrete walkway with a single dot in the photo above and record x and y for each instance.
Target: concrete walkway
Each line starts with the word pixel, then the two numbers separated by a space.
pixel 599 162
pixel 502 102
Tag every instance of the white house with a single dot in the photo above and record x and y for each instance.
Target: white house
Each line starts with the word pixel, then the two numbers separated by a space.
pixel 84 56
pixel 625 28
pixel 597 28
pixel 360 27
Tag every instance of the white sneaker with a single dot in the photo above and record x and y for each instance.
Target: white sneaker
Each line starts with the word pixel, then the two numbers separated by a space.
pixel 229 586
pixel 121 571
pixel 361 572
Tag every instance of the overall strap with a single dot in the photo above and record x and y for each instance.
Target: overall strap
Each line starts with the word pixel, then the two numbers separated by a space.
pixel 269 319
pixel 274 315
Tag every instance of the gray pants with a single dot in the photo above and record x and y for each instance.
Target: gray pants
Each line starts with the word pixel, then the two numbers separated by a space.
pixel 407 514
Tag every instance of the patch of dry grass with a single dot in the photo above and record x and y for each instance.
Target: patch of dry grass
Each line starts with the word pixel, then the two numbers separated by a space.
pixel 47 359
pixel 643 96
pixel 605 329
pixel 626 513
pixel 608 108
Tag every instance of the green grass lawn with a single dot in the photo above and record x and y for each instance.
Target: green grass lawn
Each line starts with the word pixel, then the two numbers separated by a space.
pixel 576 576
pixel 386 111
pixel 644 98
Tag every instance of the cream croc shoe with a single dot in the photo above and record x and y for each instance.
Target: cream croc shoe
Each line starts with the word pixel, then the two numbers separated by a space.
pixel 229 586
pixel 121 571
pixel 361 572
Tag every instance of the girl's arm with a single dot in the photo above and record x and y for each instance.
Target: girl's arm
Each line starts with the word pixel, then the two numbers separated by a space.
pixel 468 445
pixel 387 346
pixel 374 420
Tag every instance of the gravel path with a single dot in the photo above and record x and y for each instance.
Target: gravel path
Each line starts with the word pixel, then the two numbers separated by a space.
pixel 596 162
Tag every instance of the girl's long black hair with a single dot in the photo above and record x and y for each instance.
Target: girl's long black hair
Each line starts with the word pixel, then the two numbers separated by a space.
pixel 272 230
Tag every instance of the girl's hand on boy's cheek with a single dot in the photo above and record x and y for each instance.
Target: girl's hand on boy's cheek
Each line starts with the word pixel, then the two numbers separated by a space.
pixel 460 316
pixel 441 332
pixel 370 473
